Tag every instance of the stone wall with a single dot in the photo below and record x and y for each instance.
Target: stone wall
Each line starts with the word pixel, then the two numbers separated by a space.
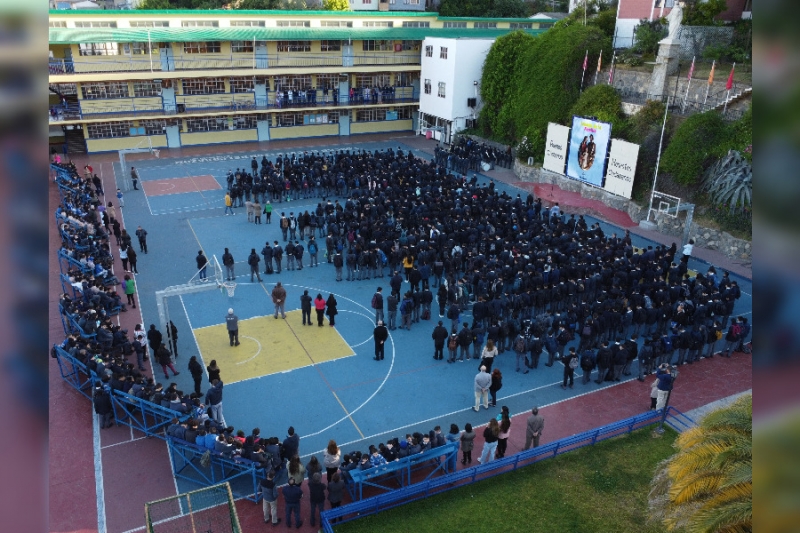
pixel 711 239
pixel 634 82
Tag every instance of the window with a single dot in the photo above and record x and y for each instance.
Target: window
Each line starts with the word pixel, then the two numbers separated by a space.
pixel 95 24
pixel 156 127
pixel 443 52
pixel 427 86
pixel 411 45
pixel 416 24
pixel 441 89
pixel 413 3
pixel 404 113
pixel 293 23
pixel 136 48
pixel 149 24
pixel 366 2
pixel 204 86
pixel 327 81
pixel 545 25
pixel 99 49
pixel 405 79
pixel 376 46
pixel 146 88
pixel 200 23
pixel 102 90
pixel 333 116
pixel 109 130
pixel 370 115
pixel 429 51
pixel 244 84
pixel 248 122
pixel 455 24
pixel 58 24
pixel 294 46
pixel 242 47
pixel 206 124
pixel 485 25
pixel 378 79
pixel 290 119
pixel 378 24
pixel 297 82
pixel 248 23
pixel 65 88
pixel 336 24
pixel 210 47
pixel 331 46
pixel 520 25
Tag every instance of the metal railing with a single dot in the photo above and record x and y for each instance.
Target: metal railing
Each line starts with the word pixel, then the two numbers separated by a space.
pixel 157 63
pixel 359 509
pixel 682 106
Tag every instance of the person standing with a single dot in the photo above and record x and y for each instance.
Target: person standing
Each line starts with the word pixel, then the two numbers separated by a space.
pixel 173 338
pixel 228 204
pixel 313 251
pixel 338 263
pixel 305 307
pixel 164 358
pixel 269 492
pixel 380 334
pixel 332 458
pixel 331 310
pixel 268 211
pixel 123 256
pixel 505 430
pixel 335 492
pixel 490 436
pixel 534 427
pixel 277 256
pixel 135 178
pixel 141 234
pixel 497 384
pixel 256 212
pixel 391 308
pixel 120 199
pixel 266 252
pixel 253 260
pixel 467 444
pixel 214 402
pixel 279 299
pixel 130 290
pixel 316 493
pixel 319 306
pixel 665 380
pixel 292 494
pixel 377 305
pixel 154 338
pixel 439 337
pixel 488 354
pixel 482 383
pixel 232 323
pixel 132 259
pixel 228 262
pixel 213 371
pixel 202 264
pixel 196 369
pixel 570 361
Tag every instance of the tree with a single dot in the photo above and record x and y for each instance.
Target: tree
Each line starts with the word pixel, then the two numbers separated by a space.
pixel 707 486
pixel 601 101
pixel 508 9
pixel 703 12
pixel 647 35
pixel 258 4
pixel 464 8
pixel 497 79
pixel 336 5
pixel 697 143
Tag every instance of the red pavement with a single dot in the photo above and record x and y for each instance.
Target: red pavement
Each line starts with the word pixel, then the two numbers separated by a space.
pixel 180 185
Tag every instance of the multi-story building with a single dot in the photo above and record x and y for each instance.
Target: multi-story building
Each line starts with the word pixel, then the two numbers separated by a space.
pixel 133 79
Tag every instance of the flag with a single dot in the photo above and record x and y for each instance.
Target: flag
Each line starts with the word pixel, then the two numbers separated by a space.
pixel 599 61
pixel 691 70
pixel 611 70
pixel 711 76
pixel 729 85
pixel 586 60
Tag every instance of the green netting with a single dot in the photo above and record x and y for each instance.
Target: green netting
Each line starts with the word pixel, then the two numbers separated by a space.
pixel 208 510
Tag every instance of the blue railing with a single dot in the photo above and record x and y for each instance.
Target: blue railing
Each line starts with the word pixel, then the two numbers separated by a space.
pixel 74 372
pixel 359 509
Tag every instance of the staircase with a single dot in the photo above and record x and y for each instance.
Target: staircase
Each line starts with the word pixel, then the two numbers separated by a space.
pixel 76 144
pixel 739 94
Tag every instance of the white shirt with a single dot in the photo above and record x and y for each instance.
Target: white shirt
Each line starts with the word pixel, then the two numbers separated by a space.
pixel 687 249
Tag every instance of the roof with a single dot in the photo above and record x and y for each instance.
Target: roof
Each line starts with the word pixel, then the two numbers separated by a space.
pixel 233 13
pixel 134 35
pixel 552 16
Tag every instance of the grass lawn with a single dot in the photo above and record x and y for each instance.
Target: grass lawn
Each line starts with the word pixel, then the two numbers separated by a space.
pixel 594 489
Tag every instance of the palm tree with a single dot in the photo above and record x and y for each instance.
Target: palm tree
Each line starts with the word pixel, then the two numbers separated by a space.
pixel 707 486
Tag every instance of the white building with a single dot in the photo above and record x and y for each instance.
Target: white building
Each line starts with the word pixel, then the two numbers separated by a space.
pixel 450 79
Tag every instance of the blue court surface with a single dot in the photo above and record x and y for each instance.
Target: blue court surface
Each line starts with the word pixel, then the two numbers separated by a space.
pixel 324 383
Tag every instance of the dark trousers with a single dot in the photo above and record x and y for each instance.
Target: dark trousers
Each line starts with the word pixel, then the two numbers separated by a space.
pixel 379 350
pixel 569 375
pixel 306 316
pixel 438 351
pixel 198 379
pixel 233 335
pixel 320 317
pixel 292 507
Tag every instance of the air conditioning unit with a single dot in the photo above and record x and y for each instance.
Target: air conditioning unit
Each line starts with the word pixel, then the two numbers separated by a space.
pixel 472 102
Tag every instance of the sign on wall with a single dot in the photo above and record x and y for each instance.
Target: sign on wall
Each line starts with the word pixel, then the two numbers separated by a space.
pixel 555 151
pixel 621 167
pixel 588 147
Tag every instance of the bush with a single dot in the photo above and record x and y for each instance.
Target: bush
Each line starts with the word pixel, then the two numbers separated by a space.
pixel 739 222
pixel 601 101
pixel 696 144
pixel 647 34
pixel 646 121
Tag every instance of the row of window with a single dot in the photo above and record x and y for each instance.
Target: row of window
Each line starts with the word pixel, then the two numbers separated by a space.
pixel 442 51
pixel 238 84
pixel 125 128
pixel 442 88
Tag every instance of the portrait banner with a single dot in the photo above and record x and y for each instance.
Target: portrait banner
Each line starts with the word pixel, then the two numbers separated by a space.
pixel 588 147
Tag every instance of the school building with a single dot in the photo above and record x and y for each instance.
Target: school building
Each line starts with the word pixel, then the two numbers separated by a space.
pixel 137 79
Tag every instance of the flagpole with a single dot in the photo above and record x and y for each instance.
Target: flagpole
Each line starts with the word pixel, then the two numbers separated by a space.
pixel 599 60
pixel 727 96
pixel 585 59
pixel 611 70
pixel 150 50
pixel 689 84
pixel 710 81
pixel 658 160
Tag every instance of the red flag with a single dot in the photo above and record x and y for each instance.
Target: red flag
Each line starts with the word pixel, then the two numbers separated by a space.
pixel 729 85
pixel 691 70
pixel 586 60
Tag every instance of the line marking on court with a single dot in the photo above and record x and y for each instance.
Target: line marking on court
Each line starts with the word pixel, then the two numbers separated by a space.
pixel 98 475
pixel 196 345
pixel 257 351
pixel 123 442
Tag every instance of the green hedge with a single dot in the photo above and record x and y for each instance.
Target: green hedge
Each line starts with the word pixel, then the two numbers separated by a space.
pixel 696 144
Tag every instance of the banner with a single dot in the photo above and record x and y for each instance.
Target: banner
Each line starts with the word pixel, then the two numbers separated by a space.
pixel 587 150
pixel 621 167
pixel 555 151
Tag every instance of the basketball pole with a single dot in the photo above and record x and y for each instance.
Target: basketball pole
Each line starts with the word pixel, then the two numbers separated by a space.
pixel 658 160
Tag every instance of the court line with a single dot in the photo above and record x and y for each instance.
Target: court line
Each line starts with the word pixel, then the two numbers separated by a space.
pixel 365 316
pixel 257 351
pixel 98 475
pixel 123 442
pixel 196 345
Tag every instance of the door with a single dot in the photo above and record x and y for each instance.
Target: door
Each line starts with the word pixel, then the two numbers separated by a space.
pixel 344 92
pixel 344 125
pixel 261 54
pixel 260 91
pixel 167 59
pixel 415 89
pixel 173 136
pixel 168 99
pixel 347 55
pixel 415 121
pixel 263 130
pixel 68 65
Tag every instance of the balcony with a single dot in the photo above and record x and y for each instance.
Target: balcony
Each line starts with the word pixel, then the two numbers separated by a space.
pixel 122 63
pixel 128 108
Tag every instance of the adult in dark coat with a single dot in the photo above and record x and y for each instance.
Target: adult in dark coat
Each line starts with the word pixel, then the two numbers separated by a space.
pixel 154 338
pixel 196 369
pixel 380 334
pixel 439 337
pixel 331 311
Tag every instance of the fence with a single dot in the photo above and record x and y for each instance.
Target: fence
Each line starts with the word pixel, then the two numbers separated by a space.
pixel 672 417
pixel 693 40
pixel 210 509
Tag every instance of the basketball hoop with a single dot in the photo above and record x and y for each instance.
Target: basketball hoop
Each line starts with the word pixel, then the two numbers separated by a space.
pixel 230 287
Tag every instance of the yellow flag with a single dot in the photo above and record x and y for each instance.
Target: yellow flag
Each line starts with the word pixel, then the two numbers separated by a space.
pixel 599 61
pixel 711 75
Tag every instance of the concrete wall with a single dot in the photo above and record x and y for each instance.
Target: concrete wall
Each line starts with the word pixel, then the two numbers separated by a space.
pixel 379 126
pixel 638 82
pixel 120 143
